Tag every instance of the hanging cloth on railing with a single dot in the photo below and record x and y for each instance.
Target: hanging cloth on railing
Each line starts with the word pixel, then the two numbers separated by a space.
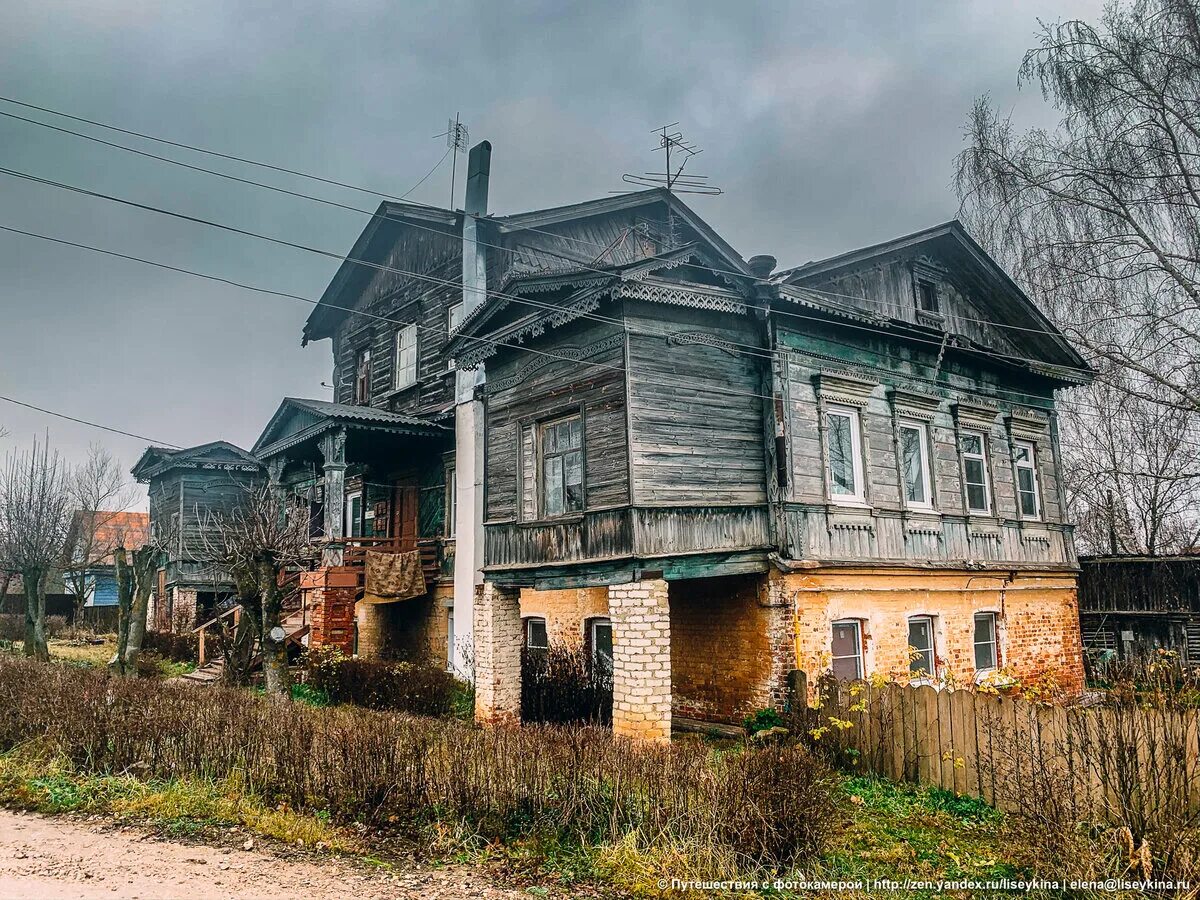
pixel 391 577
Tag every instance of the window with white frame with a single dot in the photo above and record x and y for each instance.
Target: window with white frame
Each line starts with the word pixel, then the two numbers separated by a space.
pixel 844 450
pixel 986 655
pixel 450 639
pixel 561 448
pixel 846 648
pixel 451 501
pixel 405 371
pixel 915 464
pixel 454 317
pixel 354 514
pixel 922 660
pixel 1029 501
pixel 973 446
pixel 536 637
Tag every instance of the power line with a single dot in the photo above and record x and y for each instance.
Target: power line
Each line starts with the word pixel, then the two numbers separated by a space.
pixel 381 267
pixel 59 415
pixel 592 243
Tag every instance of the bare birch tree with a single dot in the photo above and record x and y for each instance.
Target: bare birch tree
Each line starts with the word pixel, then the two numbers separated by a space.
pixel 1099 220
pixel 100 494
pixel 35 518
pixel 256 542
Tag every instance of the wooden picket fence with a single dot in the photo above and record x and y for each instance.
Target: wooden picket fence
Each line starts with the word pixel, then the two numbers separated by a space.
pixel 1101 762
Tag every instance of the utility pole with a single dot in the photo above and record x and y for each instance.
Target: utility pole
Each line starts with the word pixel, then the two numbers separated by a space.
pixel 456 139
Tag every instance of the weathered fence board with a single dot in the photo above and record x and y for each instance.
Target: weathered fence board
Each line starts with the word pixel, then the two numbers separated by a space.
pixel 1095 760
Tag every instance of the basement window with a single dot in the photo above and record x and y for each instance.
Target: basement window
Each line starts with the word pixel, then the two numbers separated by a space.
pixel 847 650
pixel 986 656
pixel 536 637
pixel 922 661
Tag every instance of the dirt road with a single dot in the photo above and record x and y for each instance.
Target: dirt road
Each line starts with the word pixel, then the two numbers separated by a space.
pixel 48 858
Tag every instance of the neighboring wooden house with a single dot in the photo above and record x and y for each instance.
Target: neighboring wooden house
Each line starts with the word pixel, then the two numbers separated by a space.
pixel 709 473
pixel 185 487
pixel 94 536
pixel 1136 605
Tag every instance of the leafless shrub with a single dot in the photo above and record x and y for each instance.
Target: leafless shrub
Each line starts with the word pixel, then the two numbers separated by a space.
pixel 768 808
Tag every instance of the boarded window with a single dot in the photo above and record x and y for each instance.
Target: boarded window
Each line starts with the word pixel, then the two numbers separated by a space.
pixel 922 661
pixel 985 641
pixel 847 650
pixel 975 472
pixel 406 357
pixel 562 466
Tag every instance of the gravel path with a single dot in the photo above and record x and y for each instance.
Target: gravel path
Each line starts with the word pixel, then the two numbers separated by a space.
pixel 51 858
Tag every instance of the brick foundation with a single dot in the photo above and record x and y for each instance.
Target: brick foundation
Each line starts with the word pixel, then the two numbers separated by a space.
pixel 411 629
pixel 1038 619
pixel 497 626
pixel 641 620
pixel 565 611
pixel 330 594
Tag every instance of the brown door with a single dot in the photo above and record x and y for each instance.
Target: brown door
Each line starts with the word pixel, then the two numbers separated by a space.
pixel 404 516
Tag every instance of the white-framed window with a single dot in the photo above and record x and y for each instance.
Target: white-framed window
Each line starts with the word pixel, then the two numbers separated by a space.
pixel 986 643
pixel 600 643
pixel 973 447
pixel 922 659
pixel 843 440
pixel 354 514
pixel 451 501
pixel 915 464
pixel 405 369
pixel 846 648
pixel 561 449
pixel 536 636
pixel 454 317
pixel 450 639
pixel 1029 501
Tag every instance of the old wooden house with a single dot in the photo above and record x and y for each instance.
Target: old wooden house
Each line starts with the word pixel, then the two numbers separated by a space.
pixel 1134 606
pixel 186 488
pixel 599 424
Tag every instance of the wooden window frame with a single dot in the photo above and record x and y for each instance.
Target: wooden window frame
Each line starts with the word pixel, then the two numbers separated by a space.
pixel 540 428
pixel 349 523
pixel 994 642
pixel 450 523
pixel 860 656
pixel 361 385
pixel 930 674
pixel 1032 466
pixel 405 376
pixel 982 456
pixel 857 462
pixel 925 447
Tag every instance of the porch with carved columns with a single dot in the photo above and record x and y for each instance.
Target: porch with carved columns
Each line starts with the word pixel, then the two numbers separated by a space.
pixel 333 454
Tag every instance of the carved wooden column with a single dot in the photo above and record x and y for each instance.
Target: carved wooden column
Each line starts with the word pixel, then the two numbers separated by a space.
pixel 333 451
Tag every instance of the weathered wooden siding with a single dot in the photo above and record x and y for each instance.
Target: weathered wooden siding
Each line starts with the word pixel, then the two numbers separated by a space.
pixel 401 299
pixel 697 425
pixel 959 396
pixel 523 390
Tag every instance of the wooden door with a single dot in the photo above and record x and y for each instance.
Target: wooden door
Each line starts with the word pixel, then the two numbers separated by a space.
pixel 405 501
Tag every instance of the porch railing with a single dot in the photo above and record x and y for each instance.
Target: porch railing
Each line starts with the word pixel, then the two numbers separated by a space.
pixel 432 550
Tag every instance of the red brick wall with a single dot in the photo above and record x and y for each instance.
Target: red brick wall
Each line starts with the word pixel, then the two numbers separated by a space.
pixel 331 592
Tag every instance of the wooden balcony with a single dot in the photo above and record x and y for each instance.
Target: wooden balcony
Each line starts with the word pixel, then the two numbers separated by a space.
pixel 433 554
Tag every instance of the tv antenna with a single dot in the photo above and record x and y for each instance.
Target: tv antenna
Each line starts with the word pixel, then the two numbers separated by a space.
pixel 679 152
pixel 457 139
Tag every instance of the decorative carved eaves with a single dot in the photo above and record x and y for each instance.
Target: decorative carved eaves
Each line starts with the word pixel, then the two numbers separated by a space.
pixel 537 363
pixel 976 413
pixel 913 405
pixel 1029 423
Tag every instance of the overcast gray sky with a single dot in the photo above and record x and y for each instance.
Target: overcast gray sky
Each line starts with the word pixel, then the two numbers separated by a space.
pixel 829 125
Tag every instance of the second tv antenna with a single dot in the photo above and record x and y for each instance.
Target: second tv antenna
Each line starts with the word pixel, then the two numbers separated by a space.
pixel 678 153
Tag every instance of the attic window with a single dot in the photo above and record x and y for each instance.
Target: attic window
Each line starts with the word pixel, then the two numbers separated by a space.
pixel 927 296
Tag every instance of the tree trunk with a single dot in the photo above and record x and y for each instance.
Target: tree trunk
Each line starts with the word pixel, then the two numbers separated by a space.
pixel 124 607
pixel 35 615
pixel 274 645
pixel 145 566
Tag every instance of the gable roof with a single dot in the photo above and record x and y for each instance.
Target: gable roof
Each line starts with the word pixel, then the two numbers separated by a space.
pixel 956 244
pixel 156 460
pixel 110 530
pixel 298 420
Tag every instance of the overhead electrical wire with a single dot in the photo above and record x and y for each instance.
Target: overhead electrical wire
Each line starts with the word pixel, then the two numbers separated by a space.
pixel 297 194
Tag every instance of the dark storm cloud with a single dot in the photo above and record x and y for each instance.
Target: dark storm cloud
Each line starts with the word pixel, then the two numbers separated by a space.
pixel 828 125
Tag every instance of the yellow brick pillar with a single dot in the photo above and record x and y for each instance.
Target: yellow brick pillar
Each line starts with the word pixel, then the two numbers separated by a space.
pixel 641 621
pixel 497 621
